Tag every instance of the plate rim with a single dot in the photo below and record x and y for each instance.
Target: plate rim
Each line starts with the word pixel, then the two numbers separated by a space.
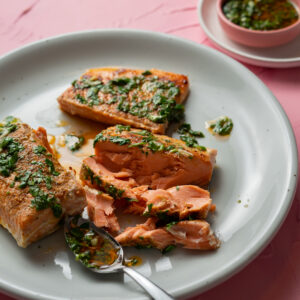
pixel 274 226
pixel 270 62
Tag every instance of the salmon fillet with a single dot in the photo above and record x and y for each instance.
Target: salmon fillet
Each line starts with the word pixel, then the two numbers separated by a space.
pixel 154 160
pixel 101 210
pixel 143 99
pixel 119 185
pixel 190 234
pixel 145 236
pixel 35 191
pixel 180 201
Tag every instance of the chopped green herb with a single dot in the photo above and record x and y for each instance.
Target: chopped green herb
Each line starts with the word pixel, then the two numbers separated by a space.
pixel 50 164
pixel 99 137
pixel 81 99
pixel 121 128
pixel 131 200
pixel 152 98
pixel 222 126
pixel 139 246
pixel 119 140
pixel 89 248
pixel 9 155
pixel 149 208
pixel 261 14
pixel 43 200
pixel 74 142
pixel 186 128
pixel 147 72
pixel 168 249
pixel 169 225
pixel 39 150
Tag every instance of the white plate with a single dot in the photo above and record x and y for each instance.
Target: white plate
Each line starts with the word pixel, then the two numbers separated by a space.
pixel 285 56
pixel 257 165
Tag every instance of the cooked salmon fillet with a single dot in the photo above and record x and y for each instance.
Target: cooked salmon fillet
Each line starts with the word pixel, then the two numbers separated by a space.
pixel 195 234
pixel 182 201
pixel 35 191
pixel 101 210
pixel 119 185
pixel 145 236
pixel 143 99
pixel 157 161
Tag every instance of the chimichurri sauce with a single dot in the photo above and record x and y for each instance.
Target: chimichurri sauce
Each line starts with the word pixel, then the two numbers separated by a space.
pixel 89 248
pixel 261 14
pixel 220 127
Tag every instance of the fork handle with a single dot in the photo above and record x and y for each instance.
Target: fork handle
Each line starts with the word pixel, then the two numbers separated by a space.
pixel 151 288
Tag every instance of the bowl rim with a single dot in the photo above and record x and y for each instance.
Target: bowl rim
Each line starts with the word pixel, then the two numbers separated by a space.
pixel 258 32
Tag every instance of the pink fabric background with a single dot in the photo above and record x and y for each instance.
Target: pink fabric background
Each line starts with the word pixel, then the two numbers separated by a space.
pixel 275 274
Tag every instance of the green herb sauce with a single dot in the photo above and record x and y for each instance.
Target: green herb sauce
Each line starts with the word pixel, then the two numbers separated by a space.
pixel 110 189
pixel 188 135
pixel 261 14
pixel 89 248
pixel 141 96
pixel 33 179
pixel 221 126
pixel 74 142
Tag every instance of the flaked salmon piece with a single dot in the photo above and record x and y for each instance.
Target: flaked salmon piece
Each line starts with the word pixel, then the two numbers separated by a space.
pixel 101 210
pixel 35 190
pixel 145 236
pixel 118 185
pixel 195 234
pixel 181 201
pixel 142 99
pixel 154 160
pixel 191 234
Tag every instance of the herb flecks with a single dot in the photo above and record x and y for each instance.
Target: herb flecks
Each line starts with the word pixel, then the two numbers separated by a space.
pixel 144 96
pixel 37 177
pixel 74 142
pixel 221 126
pixel 188 135
pixel 9 155
pixel 168 249
pixel 144 140
pixel 89 248
pixel 261 14
pixel 110 189
pixel 39 150
pixel 121 128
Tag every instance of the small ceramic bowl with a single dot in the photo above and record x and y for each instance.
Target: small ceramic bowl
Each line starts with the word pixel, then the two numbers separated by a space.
pixel 258 38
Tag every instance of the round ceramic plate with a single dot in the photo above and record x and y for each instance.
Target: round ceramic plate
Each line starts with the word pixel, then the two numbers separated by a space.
pixel 285 56
pixel 253 184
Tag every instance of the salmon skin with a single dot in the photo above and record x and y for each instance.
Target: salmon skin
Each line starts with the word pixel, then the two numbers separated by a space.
pixel 194 234
pixel 155 160
pixel 143 99
pixel 35 190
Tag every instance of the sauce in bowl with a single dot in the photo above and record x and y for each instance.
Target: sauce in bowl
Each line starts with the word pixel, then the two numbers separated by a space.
pixel 261 14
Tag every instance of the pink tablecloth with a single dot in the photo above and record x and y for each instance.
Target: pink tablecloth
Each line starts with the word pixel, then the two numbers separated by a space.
pixel 275 274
